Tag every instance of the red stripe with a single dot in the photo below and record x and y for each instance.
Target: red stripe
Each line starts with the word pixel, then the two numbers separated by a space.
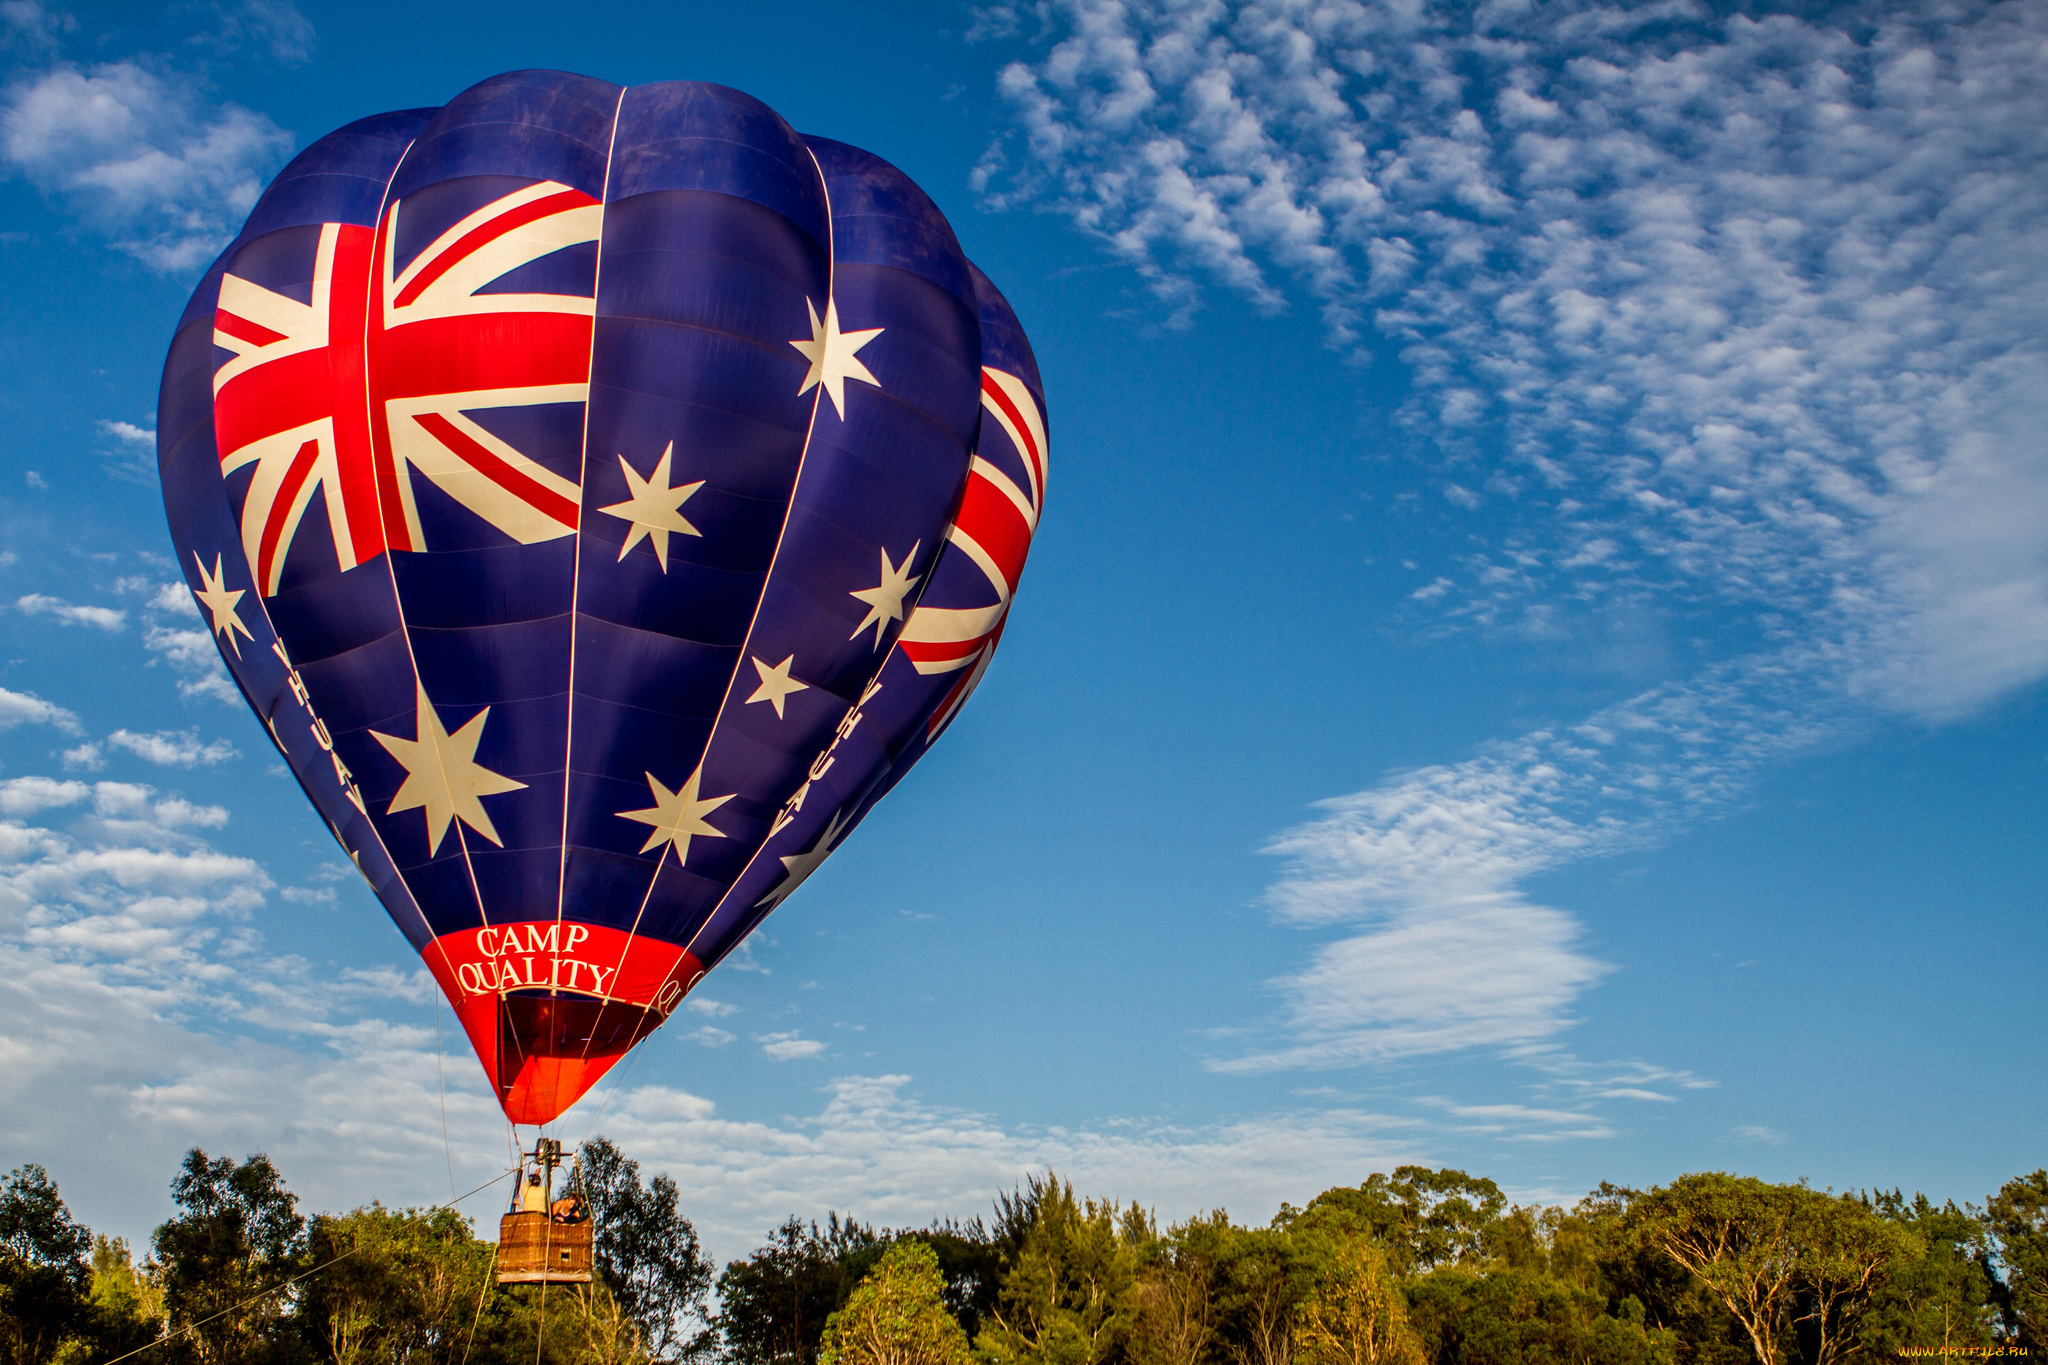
pixel 1002 400
pixel 241 329
pixel 540 498
pixel 996 525
pixel 281 508
pixel 489 232
pixel 939 651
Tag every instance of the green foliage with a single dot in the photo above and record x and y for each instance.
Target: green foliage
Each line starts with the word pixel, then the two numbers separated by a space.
pixel 1422 1218
pixel 897 1315
pixel 403 1286
pixel 2017 1220
pixel 773 1304
pixel 1067 1293
pixel 1354 1314
pixel 1419 1267
pixel 646 1252
pixel 1513 1315
pixel 44 1277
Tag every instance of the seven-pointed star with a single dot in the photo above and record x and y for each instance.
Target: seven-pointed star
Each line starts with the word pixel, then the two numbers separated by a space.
pixel 831 353
pixel 800 866
pixel 677 815
pixel 219 602
pixel 776 684
pixel 653 508
pixel 885 599
pixel 442 775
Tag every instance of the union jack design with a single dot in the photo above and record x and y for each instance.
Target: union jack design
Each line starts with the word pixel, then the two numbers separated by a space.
pixel 349 395
pixel 993 528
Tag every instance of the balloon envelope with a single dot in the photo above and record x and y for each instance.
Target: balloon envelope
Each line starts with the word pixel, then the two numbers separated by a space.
pixel 604 496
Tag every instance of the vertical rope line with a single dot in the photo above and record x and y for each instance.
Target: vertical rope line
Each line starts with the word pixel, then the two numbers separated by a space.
pixel 441 1080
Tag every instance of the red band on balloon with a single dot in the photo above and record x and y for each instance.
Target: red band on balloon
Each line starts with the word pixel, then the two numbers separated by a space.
pixel 550 1005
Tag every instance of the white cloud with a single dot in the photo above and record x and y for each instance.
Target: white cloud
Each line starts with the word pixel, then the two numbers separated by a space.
pixel 71 614
pixel 189 650
pixel 31 26
pixel 140 156
pixel 716 1009
pixel 129 434
pixel 26 708
pixel 789 1047
pixel 174 748
pixel 1752 307
pixel 1752 1134
pixel 85 758
pixel 27 795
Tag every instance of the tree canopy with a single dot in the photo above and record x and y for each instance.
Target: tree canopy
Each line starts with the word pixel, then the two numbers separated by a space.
pixel 1418 1266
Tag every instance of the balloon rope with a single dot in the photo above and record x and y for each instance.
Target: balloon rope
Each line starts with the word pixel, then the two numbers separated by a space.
pixel 441 1079
pixel 280 1288
pixel 482 1290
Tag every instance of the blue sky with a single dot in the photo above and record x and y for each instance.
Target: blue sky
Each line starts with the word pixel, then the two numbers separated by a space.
pixel 1534 660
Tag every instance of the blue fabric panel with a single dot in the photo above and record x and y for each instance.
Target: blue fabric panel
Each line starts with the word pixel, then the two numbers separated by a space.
pixel 540 125
pixel 688 135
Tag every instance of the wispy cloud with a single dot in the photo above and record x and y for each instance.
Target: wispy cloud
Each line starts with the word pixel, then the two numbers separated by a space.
pixel 789 1047
pixel 1732 320
pixel 174 748
pixel 141 155
pixel 26 708
pixel 70 613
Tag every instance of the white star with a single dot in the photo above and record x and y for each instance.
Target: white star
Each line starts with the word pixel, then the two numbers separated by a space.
pixel 800 866
pixel 653 508
pixel 885 599
pixel 442 775
pixel 219 602
pixel 831 353
pixel 678 815
pixel 776 684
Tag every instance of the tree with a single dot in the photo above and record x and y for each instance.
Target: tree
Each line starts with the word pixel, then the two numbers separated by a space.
pixel 44 1277
pixel 1262 1279
pixel 1508 1316
pixel 1355 1316
pixel 1946 1294
pixel 1422 1218
pixel 404 1284
pixel 646 1251
pixel 1787 1261
pixel 897 1315
pixel 228 1255
pixel 2017 1219
pixel 774 1304
pixel 1174 1309
pixel 1067 1292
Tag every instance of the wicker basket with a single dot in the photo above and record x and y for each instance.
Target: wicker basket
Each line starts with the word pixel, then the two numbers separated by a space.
pixel 534 1249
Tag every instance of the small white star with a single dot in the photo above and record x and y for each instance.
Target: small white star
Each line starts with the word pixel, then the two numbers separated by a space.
pixel 442 775
pixel 654 507
pixel 219 602
pixel 831 353
pixel 800 866
pixel 885 599
pixel 776 684
pixel 678 815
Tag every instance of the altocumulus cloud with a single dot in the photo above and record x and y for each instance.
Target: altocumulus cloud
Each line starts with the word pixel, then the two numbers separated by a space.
pixel 1735 319
pixel 140 155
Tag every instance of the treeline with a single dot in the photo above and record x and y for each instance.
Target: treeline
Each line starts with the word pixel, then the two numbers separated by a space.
pixel 1420 1267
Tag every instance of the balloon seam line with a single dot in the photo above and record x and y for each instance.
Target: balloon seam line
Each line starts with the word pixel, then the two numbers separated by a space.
pixel 576 573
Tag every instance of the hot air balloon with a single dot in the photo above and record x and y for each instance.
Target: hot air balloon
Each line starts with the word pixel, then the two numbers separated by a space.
pixel 603 495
